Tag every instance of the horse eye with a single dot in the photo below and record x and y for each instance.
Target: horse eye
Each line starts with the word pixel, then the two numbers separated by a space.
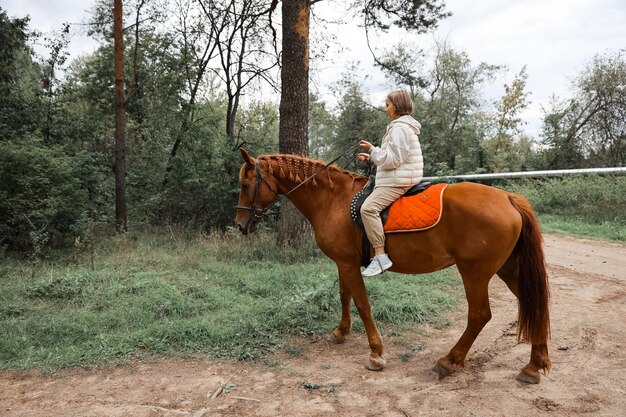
pixel 245 185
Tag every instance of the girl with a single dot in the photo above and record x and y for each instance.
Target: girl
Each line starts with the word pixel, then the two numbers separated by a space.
pixel 399 166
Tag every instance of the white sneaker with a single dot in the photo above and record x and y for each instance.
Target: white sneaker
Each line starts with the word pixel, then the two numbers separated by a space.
pixel 379 264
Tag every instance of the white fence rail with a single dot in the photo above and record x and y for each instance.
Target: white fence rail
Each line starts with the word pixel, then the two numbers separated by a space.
pixel 530 174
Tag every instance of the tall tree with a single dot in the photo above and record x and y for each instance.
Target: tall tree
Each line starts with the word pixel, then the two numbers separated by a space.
pixel 58 55
pixel 197 49
pixel 507 148
pixel 13 37
pixel 120 119
pixel 241 37
pixel 404 65
pixel 18 113
pixel 449 137
pixel 294 77
pixel 100 26
pixel 322 126
pixel 418 16
pixel 603 86
pixel 294 103
pixel 357 118
pixel 589 129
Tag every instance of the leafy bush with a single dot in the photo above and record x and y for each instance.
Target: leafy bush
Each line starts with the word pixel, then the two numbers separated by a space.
pixel 593 199
pixel 46 196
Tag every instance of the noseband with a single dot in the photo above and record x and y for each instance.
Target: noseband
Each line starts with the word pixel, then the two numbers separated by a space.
pixel 257 210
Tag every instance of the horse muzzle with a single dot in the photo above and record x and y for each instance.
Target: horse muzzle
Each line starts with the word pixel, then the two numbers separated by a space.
pixel 250 225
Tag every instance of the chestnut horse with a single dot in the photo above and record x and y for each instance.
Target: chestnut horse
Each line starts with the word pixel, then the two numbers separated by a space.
pixel 483 230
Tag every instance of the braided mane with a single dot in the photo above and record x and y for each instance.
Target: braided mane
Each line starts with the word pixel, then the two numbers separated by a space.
pixel 298 168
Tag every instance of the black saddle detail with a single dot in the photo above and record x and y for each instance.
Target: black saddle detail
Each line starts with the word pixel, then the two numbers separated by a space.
pixel 359 199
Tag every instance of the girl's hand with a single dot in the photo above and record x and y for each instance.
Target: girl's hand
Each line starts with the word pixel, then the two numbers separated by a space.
pixel 363 157
pixel 365 145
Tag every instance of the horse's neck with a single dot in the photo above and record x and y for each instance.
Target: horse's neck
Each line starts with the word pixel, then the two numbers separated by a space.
pixel 330 189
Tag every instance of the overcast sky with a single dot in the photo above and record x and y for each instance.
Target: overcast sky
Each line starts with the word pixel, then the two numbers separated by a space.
pixel 555 39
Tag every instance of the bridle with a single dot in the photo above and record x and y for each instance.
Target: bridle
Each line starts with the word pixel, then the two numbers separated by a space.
pixel 259 211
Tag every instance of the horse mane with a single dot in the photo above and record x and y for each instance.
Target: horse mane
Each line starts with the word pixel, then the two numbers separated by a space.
pixel 298 168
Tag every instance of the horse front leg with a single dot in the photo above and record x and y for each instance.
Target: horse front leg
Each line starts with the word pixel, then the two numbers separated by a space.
pixel 350 276
pixel 341 332
pixel 479 313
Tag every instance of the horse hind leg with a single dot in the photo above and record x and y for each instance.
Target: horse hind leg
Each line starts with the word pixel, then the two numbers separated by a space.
pixel 539 360
pixel 479 313
pixel 539 357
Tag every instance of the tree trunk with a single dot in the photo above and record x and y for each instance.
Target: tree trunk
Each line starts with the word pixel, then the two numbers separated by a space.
pixel 294 106
pixel 120 120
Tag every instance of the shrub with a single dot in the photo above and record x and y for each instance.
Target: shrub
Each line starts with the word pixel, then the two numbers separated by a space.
pixel 593 199
pixel 46 196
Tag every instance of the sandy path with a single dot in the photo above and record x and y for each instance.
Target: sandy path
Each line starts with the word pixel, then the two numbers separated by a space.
pixel 588 352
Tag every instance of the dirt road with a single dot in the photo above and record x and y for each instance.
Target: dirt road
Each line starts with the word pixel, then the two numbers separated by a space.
pixel 588 352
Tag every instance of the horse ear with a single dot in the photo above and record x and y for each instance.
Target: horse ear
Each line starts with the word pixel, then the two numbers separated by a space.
pixel 246 156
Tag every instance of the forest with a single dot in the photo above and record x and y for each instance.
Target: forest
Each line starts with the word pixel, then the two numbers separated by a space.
pixel 201 79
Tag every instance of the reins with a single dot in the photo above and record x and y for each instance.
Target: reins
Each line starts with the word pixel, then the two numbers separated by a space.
pixel 259 211
pixel 310 177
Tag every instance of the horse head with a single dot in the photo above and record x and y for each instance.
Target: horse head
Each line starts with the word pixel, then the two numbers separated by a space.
pixel 256 194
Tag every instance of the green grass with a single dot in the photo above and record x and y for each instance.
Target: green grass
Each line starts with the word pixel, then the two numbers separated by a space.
pixel 176 295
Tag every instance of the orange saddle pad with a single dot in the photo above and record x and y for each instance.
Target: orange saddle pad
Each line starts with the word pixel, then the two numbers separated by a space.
pixel 417 212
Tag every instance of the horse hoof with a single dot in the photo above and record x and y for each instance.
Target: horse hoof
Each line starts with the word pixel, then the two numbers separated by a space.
pixel 528 379
pixel 337 338
pixel 442 370
pixel 376 364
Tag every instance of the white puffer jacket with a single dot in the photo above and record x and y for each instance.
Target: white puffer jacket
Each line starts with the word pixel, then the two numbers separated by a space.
pixel 399 157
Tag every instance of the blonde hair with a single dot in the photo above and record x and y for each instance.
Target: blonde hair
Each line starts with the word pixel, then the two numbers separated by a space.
pixel 401 101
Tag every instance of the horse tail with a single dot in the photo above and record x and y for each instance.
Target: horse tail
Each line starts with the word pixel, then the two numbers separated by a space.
pixel 534 292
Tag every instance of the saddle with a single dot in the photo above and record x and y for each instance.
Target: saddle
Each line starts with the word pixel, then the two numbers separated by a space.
pixel 411 212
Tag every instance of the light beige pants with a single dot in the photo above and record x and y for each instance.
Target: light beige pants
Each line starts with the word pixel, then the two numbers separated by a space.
pixel 380 198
